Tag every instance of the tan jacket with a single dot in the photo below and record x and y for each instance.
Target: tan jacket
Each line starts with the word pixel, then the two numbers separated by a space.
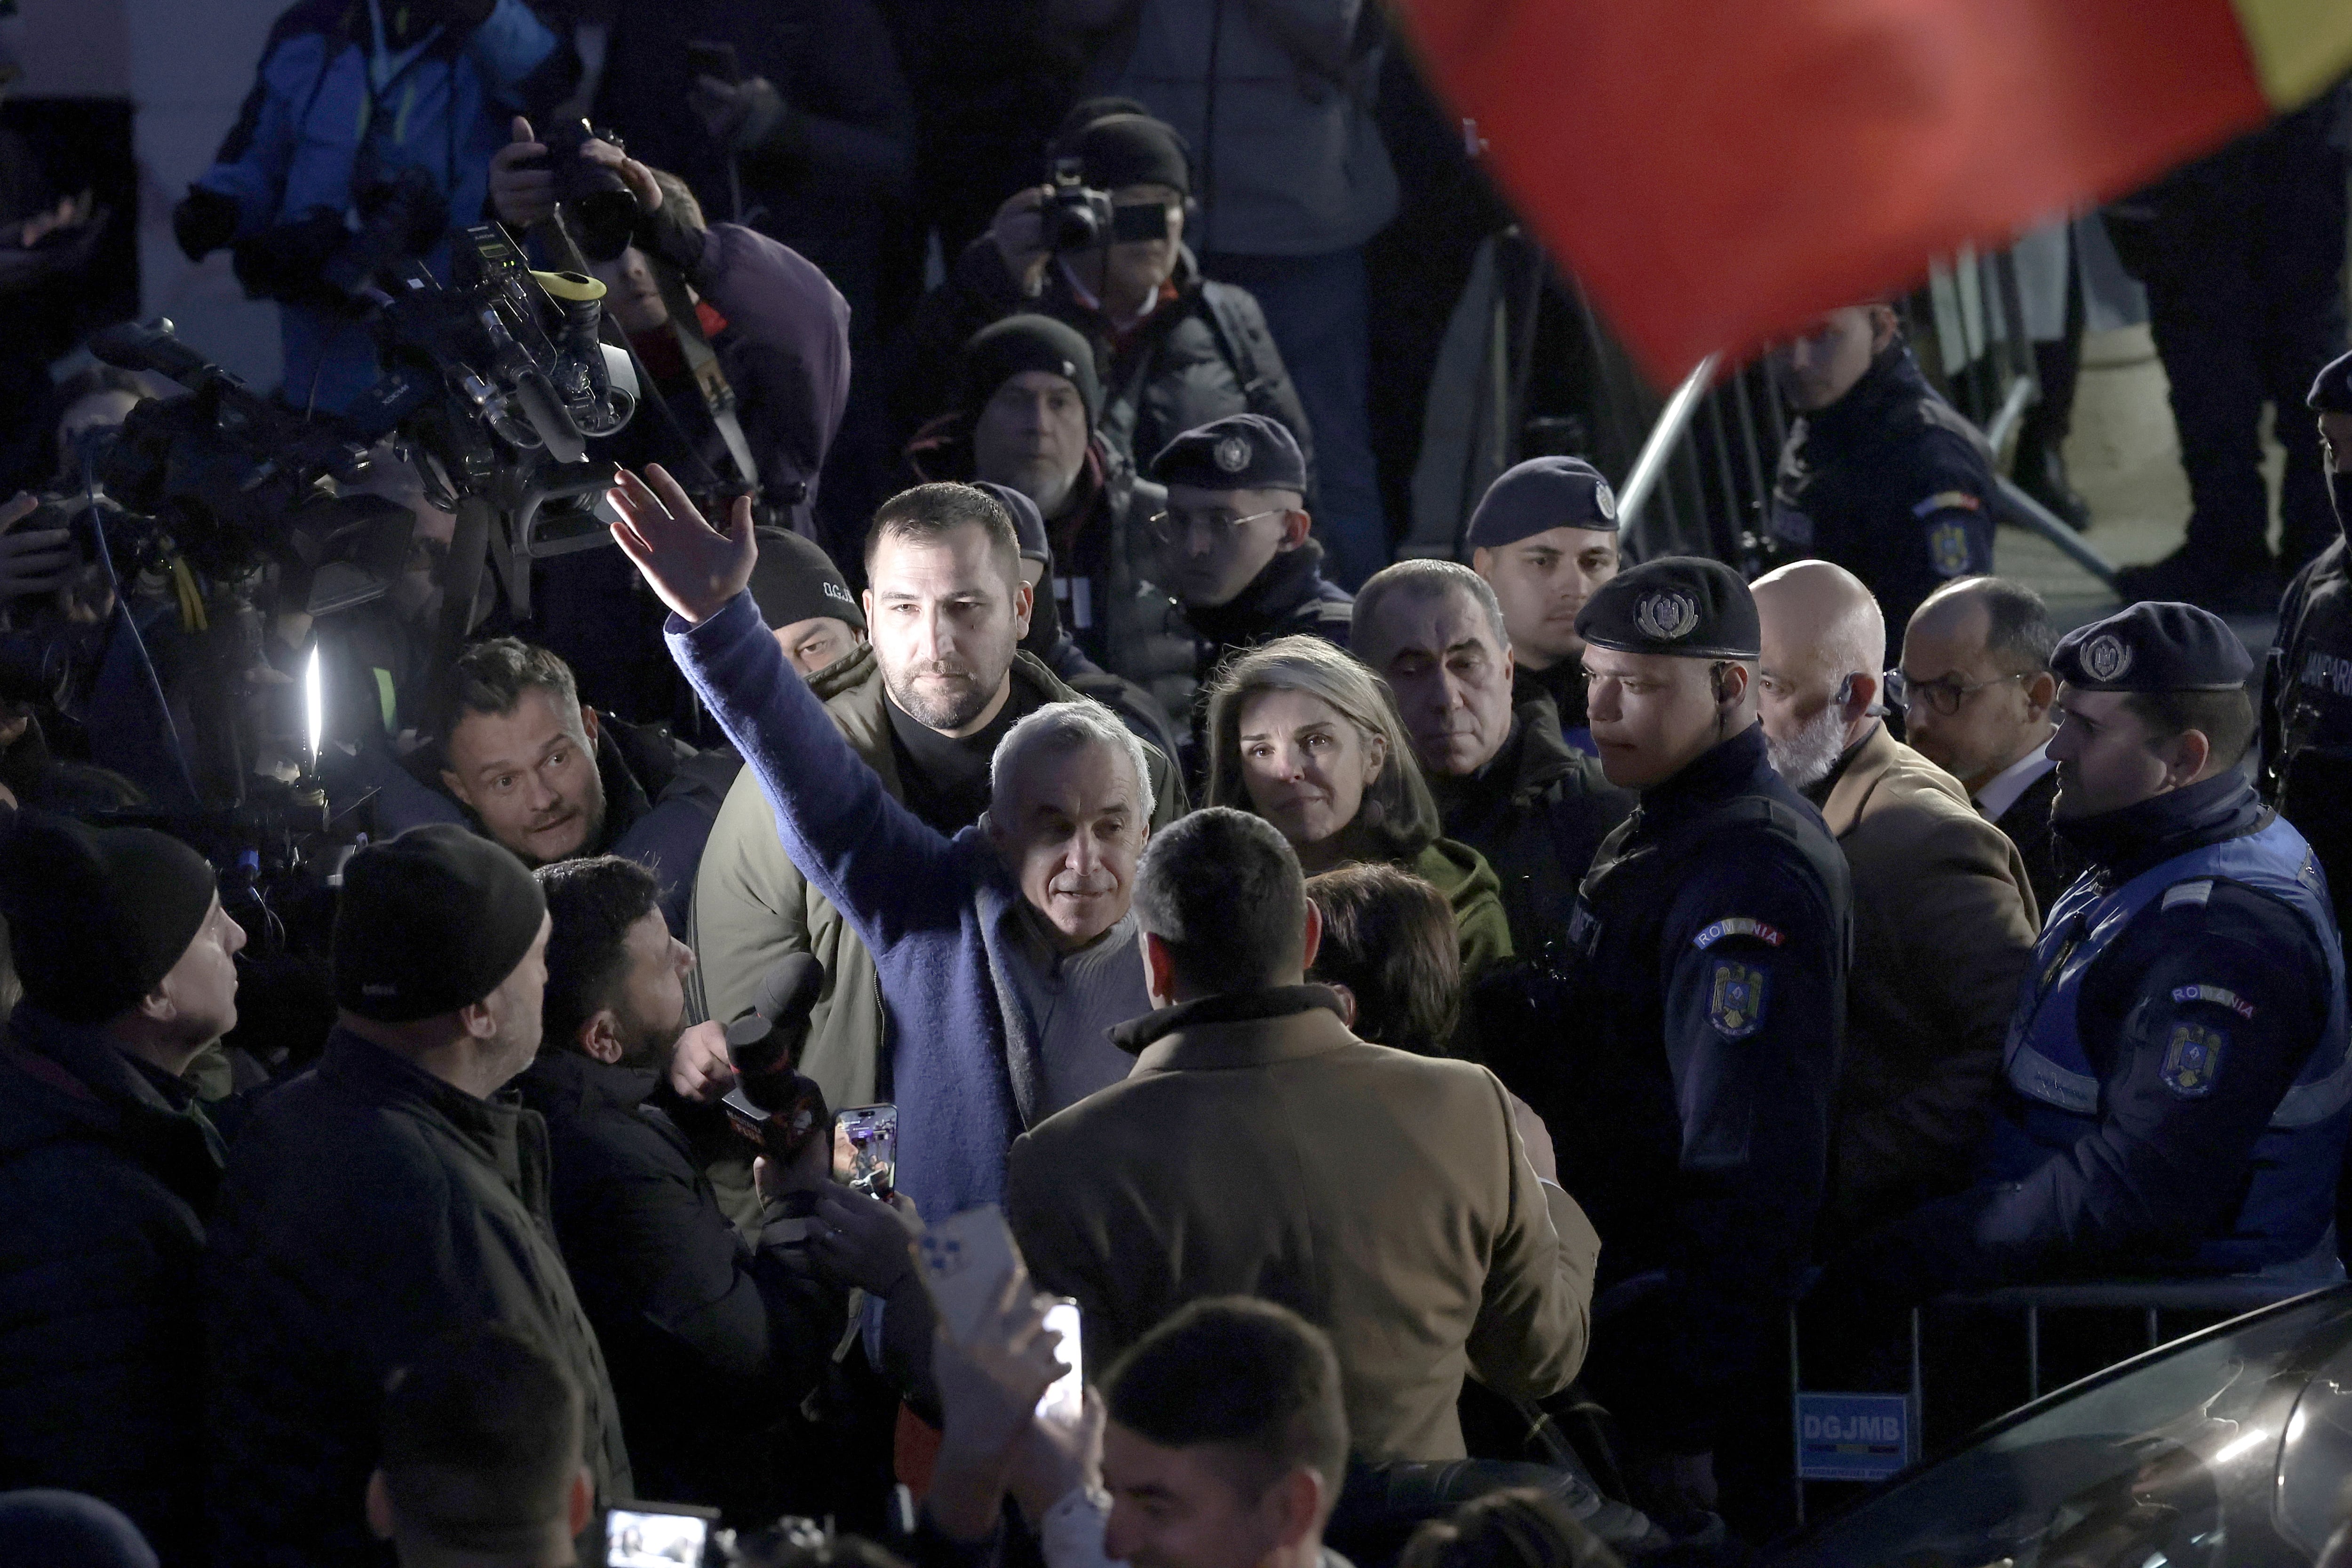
pixel 752 906
pixel 1262 1150
pixel 1943 932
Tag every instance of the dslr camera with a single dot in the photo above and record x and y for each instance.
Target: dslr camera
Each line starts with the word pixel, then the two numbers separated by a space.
pixel 601 208
pixel 1078 218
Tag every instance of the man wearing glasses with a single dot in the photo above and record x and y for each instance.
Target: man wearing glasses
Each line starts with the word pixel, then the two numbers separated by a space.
pixel 1235 543
pixel 1976 694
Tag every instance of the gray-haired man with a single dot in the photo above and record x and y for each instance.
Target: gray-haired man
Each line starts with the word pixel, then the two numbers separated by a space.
pixel 1003 953
pixel 1509 783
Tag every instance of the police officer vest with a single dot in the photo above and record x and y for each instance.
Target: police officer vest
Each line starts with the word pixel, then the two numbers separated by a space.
pixel 2291 1194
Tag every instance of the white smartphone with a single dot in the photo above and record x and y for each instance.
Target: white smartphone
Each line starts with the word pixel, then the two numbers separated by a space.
pixel 966 1259
pixel 1064 1400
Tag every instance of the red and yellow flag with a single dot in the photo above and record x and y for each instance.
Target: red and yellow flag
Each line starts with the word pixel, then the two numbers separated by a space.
pixel 1719 172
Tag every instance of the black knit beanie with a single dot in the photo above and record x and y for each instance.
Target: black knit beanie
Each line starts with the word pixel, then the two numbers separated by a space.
pixel 431 922
pixel 1003 350
pixel 98 916
pixel 794 580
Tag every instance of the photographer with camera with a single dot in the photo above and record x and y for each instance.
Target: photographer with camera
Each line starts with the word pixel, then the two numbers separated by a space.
pixel 713 1344
pixel 108 1167
pixel 364 144
pixel 746 344
pixel 1102 250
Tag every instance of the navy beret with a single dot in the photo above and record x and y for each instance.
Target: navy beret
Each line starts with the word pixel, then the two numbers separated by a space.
pixel 1684 605
pixel 1540 494
pixel 1028 522
pixel 1239 452
pixel 2154 647
pixel 2332 392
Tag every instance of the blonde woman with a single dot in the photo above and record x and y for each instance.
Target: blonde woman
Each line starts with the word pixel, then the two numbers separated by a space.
pixel 1307 738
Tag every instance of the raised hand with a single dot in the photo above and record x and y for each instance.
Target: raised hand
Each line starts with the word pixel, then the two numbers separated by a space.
pixel 695 569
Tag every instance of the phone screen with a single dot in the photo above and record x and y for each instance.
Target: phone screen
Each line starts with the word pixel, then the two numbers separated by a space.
pixel 1064 1399
pixel 865 1149
pixel 638 1538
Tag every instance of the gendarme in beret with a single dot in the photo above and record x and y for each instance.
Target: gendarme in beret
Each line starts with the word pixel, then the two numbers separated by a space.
pixel 1541 494
pixel 1683 605
pixel 2331 392
pixel 794 580
pixel 1239 452
pixel 431 922
pixel 2154 647
pixel 1028 522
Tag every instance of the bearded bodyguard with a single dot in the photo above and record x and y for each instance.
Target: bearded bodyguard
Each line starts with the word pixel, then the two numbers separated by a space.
pixel 1698 1043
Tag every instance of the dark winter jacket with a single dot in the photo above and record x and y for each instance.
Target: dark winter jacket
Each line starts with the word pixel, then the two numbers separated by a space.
pixel 712 1346
pixel 1537 812
pixel 107 1171
pixel 1202 353
pixel 369 1208
pixel 660 799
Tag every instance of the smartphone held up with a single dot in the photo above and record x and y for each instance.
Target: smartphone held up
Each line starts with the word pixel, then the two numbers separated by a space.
pixel 865 1149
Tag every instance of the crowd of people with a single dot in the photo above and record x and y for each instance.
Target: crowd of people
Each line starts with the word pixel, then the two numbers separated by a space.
pixel 1398 1003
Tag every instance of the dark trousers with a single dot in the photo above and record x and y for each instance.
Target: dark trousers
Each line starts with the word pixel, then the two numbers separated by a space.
pixel 2243 257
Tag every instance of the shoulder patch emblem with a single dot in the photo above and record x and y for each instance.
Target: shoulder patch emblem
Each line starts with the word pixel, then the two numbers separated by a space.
pixel 1948 549
pixel 1735 1003
pixel 2215 995
pixel 1667 615
pixel 1737 925
pixel 2193 1060
pixel 1946 500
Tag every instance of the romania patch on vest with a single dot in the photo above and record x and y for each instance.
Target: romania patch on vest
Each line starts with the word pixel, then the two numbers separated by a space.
pixel 1735 1003
pixel 1737 925
pixel 2193 1060
pixel 2215 995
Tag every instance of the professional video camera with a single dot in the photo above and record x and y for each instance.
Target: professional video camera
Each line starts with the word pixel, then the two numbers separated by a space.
pixel 229 511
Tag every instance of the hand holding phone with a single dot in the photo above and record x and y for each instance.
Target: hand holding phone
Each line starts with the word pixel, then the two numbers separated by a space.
pixel 657 1534
pixel 865 1149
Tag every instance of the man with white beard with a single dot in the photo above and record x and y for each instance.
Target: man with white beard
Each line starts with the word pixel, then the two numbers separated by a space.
pixel 1943 927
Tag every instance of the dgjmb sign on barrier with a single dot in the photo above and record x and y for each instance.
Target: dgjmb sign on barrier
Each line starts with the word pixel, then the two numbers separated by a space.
pixel 1853 1437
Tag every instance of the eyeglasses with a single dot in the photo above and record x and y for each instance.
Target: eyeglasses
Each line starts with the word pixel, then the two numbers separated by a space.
pixel 1943 696
pixel 1168 527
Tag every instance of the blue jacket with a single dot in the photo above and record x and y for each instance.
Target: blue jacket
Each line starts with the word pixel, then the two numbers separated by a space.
pixel 2196 1001
pixel 313 134
pixel 937 914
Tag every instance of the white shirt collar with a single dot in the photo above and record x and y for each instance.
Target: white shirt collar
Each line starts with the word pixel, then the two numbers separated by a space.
pixel 1086 297
pixel 2002 792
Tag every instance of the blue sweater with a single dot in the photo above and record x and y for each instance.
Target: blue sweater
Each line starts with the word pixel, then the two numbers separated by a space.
pixel 939 915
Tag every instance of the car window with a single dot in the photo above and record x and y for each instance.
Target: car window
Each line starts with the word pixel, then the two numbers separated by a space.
pixel 2225 1451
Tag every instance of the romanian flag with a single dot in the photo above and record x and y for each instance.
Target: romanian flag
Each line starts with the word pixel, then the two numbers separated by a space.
pixel 1716 172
